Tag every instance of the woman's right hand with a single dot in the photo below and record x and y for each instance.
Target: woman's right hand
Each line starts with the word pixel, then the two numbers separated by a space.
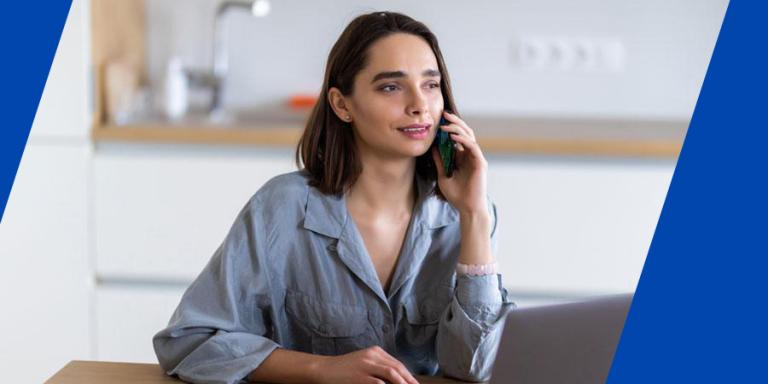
pixel 372 365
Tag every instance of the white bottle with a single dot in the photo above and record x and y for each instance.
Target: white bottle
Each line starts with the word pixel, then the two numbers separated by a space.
pixel 176 90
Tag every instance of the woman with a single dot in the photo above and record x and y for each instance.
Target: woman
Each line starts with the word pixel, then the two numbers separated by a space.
pixel 359 268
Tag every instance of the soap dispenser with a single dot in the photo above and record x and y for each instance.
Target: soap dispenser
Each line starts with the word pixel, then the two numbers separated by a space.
pixel 176 89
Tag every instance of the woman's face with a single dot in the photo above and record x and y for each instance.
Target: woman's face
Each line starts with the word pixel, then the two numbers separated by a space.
pixel 399 87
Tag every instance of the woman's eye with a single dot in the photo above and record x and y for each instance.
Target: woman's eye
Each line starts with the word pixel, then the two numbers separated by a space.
pixel 392 87
pixel 388 88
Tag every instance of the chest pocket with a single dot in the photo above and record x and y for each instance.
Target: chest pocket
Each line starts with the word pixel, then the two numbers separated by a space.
pixel 421 317
pixel 326 328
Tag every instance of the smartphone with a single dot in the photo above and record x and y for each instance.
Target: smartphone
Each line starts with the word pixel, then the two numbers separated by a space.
pixel 446 147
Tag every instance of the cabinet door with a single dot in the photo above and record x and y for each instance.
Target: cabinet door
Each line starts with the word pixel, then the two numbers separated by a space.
pixel 127 316
pixel 575 228
pixel 160 215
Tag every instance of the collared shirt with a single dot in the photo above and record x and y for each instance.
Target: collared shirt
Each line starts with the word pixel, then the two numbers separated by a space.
pixel 294 273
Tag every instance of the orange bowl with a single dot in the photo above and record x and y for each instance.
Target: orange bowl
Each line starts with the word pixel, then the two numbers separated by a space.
pixel 302 101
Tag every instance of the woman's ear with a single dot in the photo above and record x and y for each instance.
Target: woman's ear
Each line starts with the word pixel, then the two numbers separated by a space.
pixel 339 104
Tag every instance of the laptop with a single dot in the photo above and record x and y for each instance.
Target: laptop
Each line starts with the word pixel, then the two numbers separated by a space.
pixel 564 343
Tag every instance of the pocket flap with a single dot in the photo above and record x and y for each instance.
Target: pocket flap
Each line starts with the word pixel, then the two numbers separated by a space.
pixel 324 318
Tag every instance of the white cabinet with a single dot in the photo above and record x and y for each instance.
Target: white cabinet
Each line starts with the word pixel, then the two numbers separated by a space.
pixel 575 227
pixel 565 227
pixel 127 316
pixel 160 214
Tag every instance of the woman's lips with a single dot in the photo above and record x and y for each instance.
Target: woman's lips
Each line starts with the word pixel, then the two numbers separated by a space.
pixel 415 133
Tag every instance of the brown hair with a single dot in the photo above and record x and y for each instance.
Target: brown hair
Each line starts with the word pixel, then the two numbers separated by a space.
pixel 327 147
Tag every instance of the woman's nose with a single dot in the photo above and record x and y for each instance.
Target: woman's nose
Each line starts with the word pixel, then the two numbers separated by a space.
pixel 418 111
pixel 418 105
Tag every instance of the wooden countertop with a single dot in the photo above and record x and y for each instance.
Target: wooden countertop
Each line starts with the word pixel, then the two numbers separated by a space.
pixel 633 138
pixel 93 372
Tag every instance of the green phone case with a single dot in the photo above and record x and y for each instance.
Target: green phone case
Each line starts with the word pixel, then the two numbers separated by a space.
pixel 445 145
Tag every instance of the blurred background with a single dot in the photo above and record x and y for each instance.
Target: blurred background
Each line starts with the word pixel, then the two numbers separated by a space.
pixel 160 118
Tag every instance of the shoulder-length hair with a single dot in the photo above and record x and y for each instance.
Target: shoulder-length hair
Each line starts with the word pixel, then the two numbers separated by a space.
pixel 327 148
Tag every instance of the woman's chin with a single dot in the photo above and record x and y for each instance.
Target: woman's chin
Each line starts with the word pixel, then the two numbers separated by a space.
pixel 416 151
pixel 409 150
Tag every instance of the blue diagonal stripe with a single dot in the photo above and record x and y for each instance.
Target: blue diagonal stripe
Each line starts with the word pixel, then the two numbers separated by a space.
pixel 699 312
pixel 30 32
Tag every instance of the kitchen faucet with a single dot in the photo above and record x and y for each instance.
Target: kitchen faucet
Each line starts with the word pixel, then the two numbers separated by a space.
pixel 215 78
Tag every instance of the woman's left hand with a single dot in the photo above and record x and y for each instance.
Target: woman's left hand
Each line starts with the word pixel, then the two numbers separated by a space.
pixel 466 188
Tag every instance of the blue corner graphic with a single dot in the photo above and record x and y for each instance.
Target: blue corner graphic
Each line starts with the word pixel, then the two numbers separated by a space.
pixel 30 32
pixel 699 313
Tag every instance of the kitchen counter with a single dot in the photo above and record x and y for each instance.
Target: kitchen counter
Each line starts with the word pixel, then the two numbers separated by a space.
pixel 500 135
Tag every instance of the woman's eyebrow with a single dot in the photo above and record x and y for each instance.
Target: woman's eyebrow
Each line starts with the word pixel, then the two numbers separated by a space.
pixel 400 74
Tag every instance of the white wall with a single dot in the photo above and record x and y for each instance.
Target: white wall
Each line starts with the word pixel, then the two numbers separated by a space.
pixel 45 275
pixel 667 45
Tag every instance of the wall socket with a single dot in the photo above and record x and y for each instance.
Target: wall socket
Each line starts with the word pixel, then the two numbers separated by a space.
pixel 568 54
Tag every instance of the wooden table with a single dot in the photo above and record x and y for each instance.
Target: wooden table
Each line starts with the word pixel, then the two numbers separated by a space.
pixel 92 372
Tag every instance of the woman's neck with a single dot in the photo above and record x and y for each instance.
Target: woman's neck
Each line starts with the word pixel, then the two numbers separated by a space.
pixel 384 187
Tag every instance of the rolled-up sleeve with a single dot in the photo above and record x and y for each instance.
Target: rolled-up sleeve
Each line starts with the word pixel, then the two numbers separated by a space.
pixel 470 329
pixel 218 332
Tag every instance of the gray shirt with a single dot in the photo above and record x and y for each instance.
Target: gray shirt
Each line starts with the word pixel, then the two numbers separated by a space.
pixel 294 273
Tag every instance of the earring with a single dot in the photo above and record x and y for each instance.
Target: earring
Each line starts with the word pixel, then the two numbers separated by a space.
pixel 347 118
